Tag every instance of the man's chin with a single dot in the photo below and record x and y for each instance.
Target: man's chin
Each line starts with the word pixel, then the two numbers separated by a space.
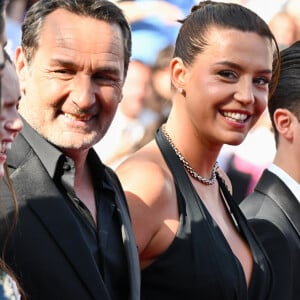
pixel 80 142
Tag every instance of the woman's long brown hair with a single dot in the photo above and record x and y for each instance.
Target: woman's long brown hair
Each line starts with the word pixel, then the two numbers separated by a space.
pixel 3 265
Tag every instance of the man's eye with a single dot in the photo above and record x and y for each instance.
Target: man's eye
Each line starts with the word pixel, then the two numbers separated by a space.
pixel 106 79
pixel 62 71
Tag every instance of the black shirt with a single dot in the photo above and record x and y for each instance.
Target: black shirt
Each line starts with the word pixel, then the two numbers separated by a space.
pixel 104 239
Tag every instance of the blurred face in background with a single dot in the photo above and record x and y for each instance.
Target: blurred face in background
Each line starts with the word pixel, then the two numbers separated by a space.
pixel 161 83
pixel 10 121
pixel 136 89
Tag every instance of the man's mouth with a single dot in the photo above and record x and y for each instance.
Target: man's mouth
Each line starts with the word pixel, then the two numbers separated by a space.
pixel 83 118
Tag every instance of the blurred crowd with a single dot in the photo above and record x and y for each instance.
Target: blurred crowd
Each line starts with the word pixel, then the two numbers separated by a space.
pixel 147 90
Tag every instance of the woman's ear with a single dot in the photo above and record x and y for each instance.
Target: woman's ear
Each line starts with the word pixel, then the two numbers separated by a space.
pixel 178 73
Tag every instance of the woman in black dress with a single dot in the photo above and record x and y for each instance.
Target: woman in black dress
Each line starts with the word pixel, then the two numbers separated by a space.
pixel 193 241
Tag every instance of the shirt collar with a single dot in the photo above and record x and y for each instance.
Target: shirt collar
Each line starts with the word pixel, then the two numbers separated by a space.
pixel 47 153
pixel 290 182
pixel 50 154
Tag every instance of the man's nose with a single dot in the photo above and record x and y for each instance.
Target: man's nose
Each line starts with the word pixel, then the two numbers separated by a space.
pixel 83 94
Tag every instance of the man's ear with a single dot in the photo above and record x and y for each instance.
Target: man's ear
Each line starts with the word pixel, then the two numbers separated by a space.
pixel 21 67
pixel 283 120
pixel 178 73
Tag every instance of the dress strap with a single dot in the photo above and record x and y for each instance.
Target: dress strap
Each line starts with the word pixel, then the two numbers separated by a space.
pixel 172 161
pixel 197 214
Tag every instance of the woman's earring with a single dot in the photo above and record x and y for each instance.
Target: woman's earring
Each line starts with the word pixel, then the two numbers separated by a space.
pixel 181 91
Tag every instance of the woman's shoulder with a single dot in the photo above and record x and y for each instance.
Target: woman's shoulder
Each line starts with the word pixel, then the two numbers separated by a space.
pixel 144 170
pixel 151 196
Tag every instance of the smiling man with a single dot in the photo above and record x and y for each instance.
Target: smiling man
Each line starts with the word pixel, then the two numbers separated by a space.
pixel 74 238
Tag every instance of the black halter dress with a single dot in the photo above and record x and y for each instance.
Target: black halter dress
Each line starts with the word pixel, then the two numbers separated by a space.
pixel 199 264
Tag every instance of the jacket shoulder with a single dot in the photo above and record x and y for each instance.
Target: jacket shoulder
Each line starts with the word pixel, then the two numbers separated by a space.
pixel 18 153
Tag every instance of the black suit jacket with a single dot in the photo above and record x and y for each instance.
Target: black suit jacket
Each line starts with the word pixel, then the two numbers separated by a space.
pixel 47 250
pixel 274 213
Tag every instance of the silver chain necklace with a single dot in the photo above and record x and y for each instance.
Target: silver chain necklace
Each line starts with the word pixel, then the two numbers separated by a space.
pixel 207 181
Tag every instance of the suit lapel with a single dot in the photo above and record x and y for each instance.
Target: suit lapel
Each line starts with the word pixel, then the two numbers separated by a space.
pixel 128 240
pixel 31 190
pixel 275 188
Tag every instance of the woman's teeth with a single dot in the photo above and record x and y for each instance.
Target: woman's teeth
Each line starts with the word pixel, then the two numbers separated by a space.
pixel 4 146
pixel 239 117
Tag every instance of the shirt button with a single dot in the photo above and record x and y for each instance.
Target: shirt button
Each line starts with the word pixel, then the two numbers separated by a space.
pixel 66 167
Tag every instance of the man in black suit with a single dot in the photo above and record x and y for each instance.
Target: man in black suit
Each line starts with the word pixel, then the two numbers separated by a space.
pixel 273 209
pixel 73 239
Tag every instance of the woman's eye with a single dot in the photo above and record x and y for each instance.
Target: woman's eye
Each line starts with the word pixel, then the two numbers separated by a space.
pixel 228 74
pixel 261 81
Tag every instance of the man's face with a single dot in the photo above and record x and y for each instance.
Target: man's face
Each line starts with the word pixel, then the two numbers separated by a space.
pixel 72 86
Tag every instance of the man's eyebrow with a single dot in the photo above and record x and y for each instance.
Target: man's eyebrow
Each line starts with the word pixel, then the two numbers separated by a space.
pixel 71 64
pixel 62 62
pixel 108 69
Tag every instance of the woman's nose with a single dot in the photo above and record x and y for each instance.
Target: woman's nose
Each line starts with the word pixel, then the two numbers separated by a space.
pixel 14 124
pixel 244 92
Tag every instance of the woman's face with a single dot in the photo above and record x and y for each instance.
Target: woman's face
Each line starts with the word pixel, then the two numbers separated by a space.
pixel 10 122
pixel 226 87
